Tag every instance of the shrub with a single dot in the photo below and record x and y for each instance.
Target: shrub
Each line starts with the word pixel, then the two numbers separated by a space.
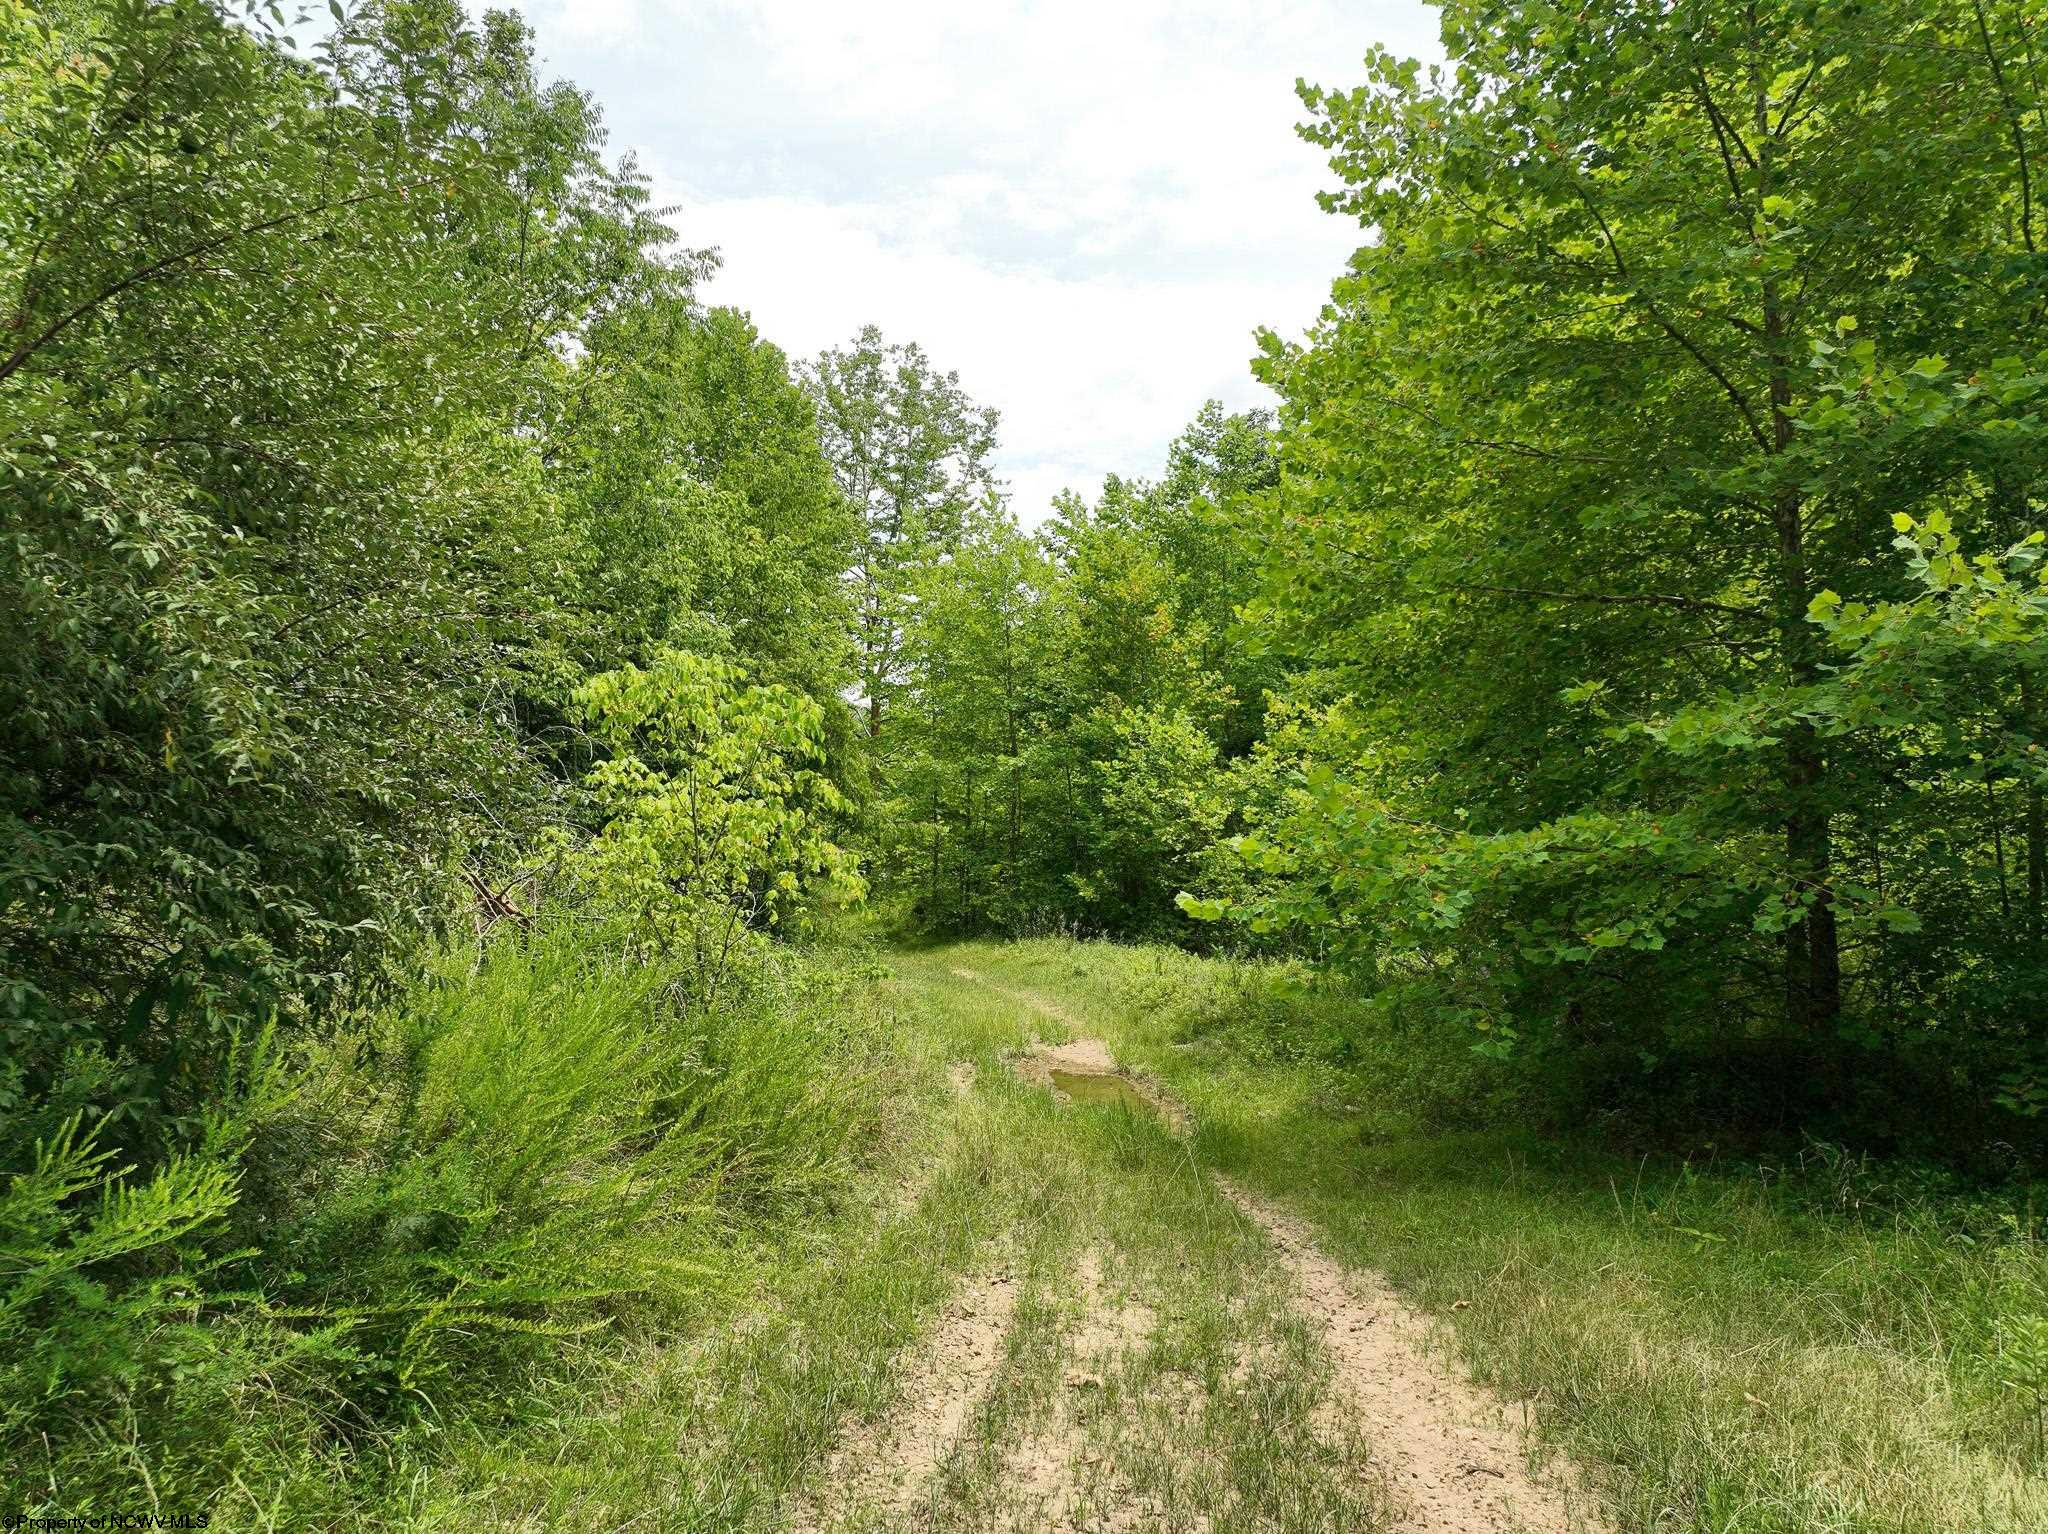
pixel 533 1141
pixel 715 809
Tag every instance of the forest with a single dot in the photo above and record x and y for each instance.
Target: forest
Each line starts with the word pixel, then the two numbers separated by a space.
pixel 550 848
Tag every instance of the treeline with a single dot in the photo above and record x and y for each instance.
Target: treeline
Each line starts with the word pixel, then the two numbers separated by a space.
pixel 357 412
pixel 1663 490
pixel 1070 725
pixel 1645 570
pixel 424 647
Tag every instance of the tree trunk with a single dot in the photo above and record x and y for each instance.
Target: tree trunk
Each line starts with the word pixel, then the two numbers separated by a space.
pixel 2037 825
pixel 1997 841
pixel 967 854
pixel 938 829
pixel 1016 790
pixel 874 639
pixel 1813 949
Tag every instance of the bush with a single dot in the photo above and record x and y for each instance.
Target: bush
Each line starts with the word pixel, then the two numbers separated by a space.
pixel 1389 1048
pixel 110 1279
pixel 532 1142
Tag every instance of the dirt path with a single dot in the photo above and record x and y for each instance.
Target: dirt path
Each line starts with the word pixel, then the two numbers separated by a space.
pixel 1455 1462
pixel 889 1467
pixel 1060 1474
pixel 1035 1000
pixel 1154 1373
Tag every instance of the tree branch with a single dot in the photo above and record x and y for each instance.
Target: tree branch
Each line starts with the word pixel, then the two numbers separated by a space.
pixel 1792 102
pixel 1611 598
pixel 2019 136
pixel 168 263
pixel 1721 133
pixel 1520 449
pixel 1735 395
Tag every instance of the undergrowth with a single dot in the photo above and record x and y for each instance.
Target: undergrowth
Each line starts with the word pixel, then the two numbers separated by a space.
pixel 1809 1340
pixel 388 1232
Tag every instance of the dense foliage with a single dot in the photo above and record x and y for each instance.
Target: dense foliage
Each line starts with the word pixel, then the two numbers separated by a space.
pixel 439 657
pixel 392 547
pixel 910 452
pixel 357 410
pixel 1072 733
pixel 1626 649
pixel 1653 750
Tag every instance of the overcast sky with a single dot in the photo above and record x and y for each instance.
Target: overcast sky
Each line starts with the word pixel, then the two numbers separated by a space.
pixel 1085 206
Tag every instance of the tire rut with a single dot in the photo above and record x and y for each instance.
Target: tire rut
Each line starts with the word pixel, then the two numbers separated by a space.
pixel 1454 1462
pixel 890 1467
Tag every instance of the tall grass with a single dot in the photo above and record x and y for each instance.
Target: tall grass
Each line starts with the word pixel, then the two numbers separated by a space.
pixel 1816 1343
pixel 530 1145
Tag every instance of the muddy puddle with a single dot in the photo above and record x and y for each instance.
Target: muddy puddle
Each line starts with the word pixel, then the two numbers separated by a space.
pixel 1083 1071
pixel 1094 1089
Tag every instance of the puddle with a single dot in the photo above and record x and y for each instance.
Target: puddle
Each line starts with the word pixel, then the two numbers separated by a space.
pixel 1093 1087
pixel 1085 1071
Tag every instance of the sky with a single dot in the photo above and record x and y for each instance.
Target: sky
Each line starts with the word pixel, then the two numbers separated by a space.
pixel 1085 207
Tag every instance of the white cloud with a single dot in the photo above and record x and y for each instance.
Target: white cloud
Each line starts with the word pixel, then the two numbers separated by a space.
pixel 1092 374
pixel 1085 206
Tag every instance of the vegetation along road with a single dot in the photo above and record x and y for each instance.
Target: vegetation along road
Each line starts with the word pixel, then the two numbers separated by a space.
pixel 1228 1298
pixel 607 926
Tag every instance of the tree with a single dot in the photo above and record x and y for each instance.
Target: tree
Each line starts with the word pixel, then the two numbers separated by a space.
pixel 714 808
pixel 688 463
pixel 965 812
pixel 912 453
pixel 279 547
pixel 1546 473
pixel 1068 710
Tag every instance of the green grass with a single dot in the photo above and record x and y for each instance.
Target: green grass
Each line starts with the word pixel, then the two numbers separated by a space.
pixel 402 1238
pixel 724 1243
pixel 732 1429
pixel 1725 1353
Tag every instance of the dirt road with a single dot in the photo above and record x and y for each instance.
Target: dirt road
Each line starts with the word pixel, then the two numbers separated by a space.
pixel 1145 1346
